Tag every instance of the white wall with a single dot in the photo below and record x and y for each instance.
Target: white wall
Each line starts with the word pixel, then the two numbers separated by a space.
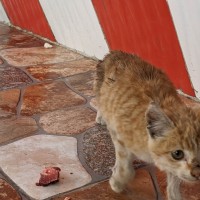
pixel 186 17
pixel 3 16
pixel 75 25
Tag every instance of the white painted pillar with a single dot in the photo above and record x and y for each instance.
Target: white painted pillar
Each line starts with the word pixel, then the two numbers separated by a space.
pixel 74 24
pixel 3 16
pixel 186 17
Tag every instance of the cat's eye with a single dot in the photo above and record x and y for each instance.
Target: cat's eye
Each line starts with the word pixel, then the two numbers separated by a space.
pixel 177 155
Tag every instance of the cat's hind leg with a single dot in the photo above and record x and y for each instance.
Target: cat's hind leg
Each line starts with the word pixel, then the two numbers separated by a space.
pixel 99 118
pixel 123 170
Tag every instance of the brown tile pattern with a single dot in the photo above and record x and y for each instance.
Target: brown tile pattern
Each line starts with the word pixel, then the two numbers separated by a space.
pixel 8 102
pixel 7 192
pixel 83 83
pixel 59 70
pixel 11 77
pixel 190 191
pixel 18 39
pixel 16 127
pixel 68 122
pixel 140 188
pixel 38 55
pixel 6 30
pixel 44 97
pixel 98 150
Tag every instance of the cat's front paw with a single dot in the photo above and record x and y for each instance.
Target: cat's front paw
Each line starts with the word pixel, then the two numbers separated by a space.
pixel 116 185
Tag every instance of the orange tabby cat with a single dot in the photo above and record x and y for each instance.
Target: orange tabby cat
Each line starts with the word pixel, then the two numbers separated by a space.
pixel 146 118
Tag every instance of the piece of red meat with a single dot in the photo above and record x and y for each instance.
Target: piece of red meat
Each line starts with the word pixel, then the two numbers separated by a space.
pixel 49 175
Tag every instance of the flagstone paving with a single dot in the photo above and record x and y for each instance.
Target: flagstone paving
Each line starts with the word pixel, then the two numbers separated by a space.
pixel 37 152
pixel 69 121
pixel 11 77
pixel 20 57
pixel 140 188
pixel 8 102
pixel 47 118
pixel 48 96
pixel 15 127
pixel 18 39
pixel 98 150
pixel 7 192
pixel 60 70
pixel 83 83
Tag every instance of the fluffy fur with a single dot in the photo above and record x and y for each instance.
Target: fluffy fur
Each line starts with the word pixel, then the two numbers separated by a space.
pixel 146 118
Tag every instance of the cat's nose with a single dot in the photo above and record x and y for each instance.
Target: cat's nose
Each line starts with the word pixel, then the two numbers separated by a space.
pixel 196 172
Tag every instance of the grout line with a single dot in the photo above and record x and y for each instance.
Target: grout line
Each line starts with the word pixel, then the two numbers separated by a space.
pixel 151 169
pixel 74 90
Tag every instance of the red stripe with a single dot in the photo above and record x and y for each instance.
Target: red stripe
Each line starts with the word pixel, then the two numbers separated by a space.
pixel 28 15
pixel 146 29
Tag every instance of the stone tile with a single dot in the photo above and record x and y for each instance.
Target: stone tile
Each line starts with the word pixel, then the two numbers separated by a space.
pixel 21 57
pixel 44 97
pixel 37 152
pixel 6 30
pixel 11 77
pixel 69 122
pixel 7 192
pixel 140 188
pixel 98 150
pixel 15 127
pixel 8 102
pixel 59 70
pixel 190 191
pixel 83 83
pixel 19 39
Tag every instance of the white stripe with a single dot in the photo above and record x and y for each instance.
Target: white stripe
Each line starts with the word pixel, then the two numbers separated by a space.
pixel 75 25
pixel 186 17
pixel 3 16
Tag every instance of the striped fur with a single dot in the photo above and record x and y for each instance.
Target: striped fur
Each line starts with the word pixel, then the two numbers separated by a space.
pixel 146 118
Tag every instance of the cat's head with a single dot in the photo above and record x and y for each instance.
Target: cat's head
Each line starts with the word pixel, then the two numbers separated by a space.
pixel 174 144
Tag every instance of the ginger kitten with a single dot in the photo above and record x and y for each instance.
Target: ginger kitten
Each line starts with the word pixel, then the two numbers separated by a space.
pixel 146 118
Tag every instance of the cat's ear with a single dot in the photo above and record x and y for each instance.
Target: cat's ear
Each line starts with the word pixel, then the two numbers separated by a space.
pixel 158 124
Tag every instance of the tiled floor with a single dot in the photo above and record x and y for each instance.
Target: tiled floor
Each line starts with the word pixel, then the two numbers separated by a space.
pixel 47 118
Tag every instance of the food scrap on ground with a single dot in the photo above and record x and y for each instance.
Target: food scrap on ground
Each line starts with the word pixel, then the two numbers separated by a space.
pixel 49 175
